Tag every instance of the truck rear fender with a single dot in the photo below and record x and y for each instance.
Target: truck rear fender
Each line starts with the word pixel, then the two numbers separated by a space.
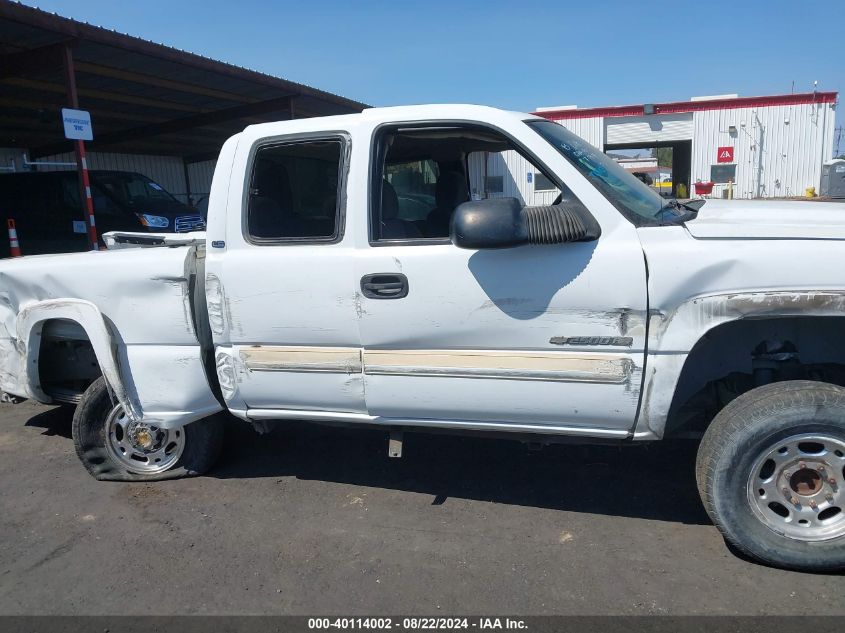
pixel 103 338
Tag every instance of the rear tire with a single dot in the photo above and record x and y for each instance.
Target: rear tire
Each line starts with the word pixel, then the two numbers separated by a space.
pixel 771 474
pixel 103 438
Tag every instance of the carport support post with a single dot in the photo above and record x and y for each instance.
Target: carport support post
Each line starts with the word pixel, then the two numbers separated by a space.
pixel 187 173
pixel 81 163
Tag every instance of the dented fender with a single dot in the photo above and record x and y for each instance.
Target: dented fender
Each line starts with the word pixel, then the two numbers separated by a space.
pixel 142 327
pixel 672 336
pixel 30 321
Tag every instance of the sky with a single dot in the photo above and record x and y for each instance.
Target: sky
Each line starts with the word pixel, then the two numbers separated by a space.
pixel 515 55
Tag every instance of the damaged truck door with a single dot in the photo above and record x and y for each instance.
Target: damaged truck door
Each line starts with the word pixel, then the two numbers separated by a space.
pixel 543 338
pixel 289 330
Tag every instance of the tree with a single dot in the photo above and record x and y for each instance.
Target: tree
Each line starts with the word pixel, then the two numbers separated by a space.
pixel 663 156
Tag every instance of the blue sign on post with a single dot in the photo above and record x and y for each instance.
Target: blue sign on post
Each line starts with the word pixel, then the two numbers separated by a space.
pixel 77 125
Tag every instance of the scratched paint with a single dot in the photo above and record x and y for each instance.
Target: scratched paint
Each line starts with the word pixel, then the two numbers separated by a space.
pixel 560 366
pixel 303 359
pixel 732 278
pixel 553 366
pixel 226 374
pixel 214 301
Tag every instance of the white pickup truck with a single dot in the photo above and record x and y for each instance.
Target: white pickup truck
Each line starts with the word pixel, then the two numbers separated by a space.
pixel 382 269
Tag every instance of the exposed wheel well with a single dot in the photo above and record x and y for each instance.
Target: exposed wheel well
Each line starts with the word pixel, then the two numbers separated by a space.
pixel 736 357
pixel 67 364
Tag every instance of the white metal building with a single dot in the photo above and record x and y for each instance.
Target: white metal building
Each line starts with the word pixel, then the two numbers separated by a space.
pixel 771 146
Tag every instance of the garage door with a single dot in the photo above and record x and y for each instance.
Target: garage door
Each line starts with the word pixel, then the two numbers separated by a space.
pixel 654 128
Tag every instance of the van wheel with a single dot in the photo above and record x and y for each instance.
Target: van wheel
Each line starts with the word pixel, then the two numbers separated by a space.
pixel 771 473
pixel 114 448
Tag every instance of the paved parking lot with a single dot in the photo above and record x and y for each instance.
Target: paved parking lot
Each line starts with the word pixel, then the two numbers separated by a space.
pixel 317 520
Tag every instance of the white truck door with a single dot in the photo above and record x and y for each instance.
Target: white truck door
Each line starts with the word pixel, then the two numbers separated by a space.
pixel 280 287
pixel 533 338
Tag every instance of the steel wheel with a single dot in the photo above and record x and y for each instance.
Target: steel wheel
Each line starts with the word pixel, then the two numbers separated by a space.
pixel 797 487
pixel 141 447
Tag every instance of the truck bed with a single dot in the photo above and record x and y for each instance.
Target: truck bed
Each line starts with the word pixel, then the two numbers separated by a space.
pixel 135 305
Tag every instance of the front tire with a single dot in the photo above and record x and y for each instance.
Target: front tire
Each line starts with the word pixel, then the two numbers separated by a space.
pixel 113 448
pixel 771 474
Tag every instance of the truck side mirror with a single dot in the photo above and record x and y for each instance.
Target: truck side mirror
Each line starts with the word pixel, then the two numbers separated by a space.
pixel 504 222
pixel 491 223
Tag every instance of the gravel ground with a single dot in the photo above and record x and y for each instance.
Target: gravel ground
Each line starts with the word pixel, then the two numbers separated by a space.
pixel 319 520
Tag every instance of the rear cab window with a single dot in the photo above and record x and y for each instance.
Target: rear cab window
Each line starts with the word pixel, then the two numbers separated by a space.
pixel 294 192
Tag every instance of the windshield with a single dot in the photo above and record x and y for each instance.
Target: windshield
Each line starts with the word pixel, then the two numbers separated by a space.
pixel 627 193
pixel 132 189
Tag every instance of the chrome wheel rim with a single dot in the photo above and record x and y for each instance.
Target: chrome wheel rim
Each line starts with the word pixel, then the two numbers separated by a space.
pixel 797 487
pixel 141 447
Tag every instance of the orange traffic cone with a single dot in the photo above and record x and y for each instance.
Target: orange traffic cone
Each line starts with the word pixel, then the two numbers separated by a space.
pixel 14 246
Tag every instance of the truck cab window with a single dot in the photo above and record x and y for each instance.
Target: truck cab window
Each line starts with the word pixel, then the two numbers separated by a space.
pixel 294 192
pixel 424 174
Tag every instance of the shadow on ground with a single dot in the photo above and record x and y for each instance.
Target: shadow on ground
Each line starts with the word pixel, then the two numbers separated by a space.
pixel 650 481
pixel 56 421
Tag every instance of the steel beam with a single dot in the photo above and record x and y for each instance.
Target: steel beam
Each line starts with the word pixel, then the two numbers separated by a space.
pixel 33 60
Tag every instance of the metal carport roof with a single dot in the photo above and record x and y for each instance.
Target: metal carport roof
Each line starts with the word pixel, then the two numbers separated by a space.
pixel 143 97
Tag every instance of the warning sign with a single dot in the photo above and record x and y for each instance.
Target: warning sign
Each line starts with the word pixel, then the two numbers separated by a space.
pixel 725 155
